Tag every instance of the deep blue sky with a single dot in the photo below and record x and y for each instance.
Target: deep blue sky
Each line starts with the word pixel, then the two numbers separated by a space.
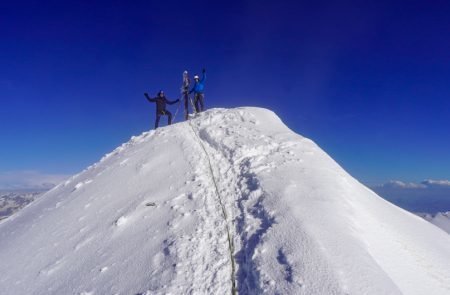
pixel 369 81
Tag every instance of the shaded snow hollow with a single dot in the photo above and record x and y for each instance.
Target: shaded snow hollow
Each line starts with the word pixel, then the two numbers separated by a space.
pixel 278 216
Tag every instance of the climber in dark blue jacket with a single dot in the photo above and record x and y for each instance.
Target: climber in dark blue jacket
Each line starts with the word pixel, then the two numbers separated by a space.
pixel 198 90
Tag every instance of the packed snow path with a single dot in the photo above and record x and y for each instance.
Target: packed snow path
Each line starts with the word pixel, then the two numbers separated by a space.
pixel 224 213
pixel 231 201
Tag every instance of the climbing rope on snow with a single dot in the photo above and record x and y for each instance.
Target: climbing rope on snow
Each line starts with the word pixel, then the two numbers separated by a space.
pixel 224 212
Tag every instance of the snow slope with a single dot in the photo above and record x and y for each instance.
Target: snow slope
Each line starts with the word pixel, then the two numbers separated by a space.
pixel 230 201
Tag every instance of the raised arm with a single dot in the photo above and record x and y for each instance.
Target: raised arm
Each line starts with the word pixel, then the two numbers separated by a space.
pixel 149 98
pixel 172 102
pixel 203 76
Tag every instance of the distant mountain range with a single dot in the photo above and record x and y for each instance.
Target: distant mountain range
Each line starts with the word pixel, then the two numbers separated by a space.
pixel 430 196
pixel 441 219
pixel 11 202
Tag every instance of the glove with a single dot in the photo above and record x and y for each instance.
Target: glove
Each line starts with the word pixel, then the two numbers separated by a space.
pixel 203 71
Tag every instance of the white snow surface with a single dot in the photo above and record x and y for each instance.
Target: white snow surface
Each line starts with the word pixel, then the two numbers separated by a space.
pixel 276 216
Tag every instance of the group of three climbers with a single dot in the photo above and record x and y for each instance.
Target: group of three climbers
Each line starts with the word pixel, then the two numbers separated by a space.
pixel 198 90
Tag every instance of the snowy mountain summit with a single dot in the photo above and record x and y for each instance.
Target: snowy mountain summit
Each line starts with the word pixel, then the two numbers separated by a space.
pixel 231 202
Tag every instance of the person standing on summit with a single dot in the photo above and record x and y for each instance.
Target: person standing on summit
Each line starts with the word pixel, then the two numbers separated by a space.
pixel 198 90
pixel 161 102
pixel 185 94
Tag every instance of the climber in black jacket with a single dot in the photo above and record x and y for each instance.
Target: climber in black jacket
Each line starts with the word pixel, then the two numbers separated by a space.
pixel 161 102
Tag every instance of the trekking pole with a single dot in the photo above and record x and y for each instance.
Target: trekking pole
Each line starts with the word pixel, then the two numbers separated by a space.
pixel 176 112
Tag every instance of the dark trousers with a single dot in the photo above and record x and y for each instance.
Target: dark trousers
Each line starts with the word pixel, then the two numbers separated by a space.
pixel 163 113
pixel 198 101
pixel 186 105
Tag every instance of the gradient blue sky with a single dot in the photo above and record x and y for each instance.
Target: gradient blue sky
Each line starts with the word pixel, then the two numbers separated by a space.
pixel 369 81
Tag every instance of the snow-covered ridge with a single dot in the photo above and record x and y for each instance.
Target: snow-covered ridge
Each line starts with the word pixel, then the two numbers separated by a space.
pixel 230 198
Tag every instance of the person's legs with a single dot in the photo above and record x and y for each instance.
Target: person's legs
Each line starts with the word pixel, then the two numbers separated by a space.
pixel 196 102
pixel 169 117
pixel 186 106
pixel 200 98
pixel 158 116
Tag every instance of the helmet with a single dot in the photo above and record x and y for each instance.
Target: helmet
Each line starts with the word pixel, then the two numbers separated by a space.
pixel 196 77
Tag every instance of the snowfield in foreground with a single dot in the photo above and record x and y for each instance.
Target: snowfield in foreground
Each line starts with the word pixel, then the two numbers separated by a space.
pixel 231 201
